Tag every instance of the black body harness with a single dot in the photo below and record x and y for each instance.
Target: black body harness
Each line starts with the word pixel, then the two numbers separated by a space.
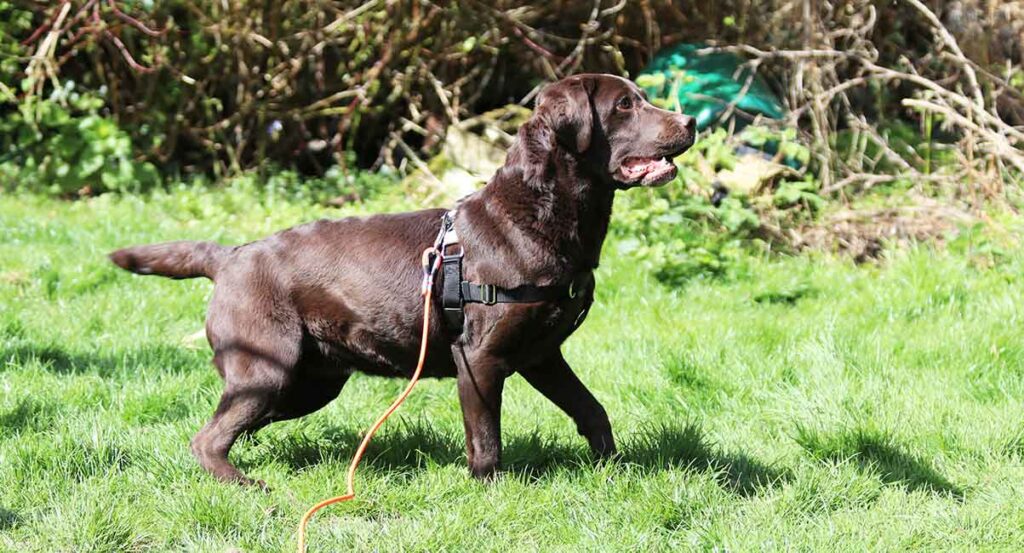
pixel 455 292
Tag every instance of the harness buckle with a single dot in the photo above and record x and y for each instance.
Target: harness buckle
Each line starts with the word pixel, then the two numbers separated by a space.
pixel 488 294
pixel 453 250
pixel 579 284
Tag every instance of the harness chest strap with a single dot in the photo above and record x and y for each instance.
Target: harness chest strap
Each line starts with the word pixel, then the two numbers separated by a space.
pixel 490 294
pixel 456 292
pixel 451 273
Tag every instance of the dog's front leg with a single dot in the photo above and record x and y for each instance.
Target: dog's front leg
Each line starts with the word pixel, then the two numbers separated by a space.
pixel 554 378
pixel 481 379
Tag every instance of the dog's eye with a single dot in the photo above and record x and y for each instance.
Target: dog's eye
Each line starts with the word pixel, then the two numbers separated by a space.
pixel 625 103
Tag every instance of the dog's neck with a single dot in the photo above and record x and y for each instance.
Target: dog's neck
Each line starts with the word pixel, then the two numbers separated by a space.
pixel 550 198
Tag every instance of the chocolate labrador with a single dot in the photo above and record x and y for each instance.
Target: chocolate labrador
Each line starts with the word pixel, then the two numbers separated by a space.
pixel 294 315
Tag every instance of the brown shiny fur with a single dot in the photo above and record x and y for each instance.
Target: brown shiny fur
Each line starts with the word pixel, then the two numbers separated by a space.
pixel 294 314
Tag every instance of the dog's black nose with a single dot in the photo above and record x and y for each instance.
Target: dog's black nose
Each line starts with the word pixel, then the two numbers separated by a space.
pixel 690 124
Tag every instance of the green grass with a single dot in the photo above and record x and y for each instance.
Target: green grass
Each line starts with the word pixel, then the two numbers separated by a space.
pixel 811 405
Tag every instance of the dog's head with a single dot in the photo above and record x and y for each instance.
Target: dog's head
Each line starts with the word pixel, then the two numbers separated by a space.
pixel 608 121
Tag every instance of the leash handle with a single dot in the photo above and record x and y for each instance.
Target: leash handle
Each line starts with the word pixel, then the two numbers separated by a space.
pixel 430 267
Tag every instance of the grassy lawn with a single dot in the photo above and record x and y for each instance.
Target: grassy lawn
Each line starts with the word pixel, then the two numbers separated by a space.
pixel 809 405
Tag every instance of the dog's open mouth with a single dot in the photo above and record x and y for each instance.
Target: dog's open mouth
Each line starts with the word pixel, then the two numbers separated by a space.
pixel 647 171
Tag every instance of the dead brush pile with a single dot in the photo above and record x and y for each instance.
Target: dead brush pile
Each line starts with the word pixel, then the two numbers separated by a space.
pixel 226 86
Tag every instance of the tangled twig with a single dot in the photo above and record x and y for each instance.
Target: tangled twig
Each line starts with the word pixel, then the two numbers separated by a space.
pixel 387 78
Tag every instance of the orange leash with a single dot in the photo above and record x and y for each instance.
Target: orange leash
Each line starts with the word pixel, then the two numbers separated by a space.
pixel 430 266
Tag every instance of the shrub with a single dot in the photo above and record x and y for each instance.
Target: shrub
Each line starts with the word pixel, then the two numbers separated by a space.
pixel 228 85
pixel 62 144
pixel 686 230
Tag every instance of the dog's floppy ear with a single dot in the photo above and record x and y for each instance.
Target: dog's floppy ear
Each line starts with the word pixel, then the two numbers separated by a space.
pixel 565 107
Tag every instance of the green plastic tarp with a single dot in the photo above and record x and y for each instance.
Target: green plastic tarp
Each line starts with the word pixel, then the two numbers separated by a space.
pixel 703 85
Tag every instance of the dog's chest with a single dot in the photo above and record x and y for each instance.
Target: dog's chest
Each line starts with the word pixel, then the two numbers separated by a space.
pixel 525 331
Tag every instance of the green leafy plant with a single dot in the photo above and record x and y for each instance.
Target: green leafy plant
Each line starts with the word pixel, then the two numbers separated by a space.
pixel 63 144
pixel 685 240
pixel 338 185
pixel 680 234
pixel 782 143
pixel 798 193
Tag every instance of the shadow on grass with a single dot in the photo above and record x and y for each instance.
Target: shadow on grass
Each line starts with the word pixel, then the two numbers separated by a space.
pixel 59 360
pixel 664 446
pixel 8 519
pixel 405 445
pixel 533 457
pixel 877 453
pixel 28 414
pixel 786 296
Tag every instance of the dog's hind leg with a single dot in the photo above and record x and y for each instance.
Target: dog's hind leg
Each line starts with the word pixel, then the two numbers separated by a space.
pixel 253 386
pixel 317 382
pixel 239 410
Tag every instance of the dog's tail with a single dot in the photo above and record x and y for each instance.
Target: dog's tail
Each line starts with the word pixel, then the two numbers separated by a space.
pixel 173 259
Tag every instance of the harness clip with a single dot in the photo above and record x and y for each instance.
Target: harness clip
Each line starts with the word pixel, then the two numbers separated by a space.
pixel 488 294
pixel 431 263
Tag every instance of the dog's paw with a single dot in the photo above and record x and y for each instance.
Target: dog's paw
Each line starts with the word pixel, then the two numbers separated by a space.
pixel 257 484
pixel 484 474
